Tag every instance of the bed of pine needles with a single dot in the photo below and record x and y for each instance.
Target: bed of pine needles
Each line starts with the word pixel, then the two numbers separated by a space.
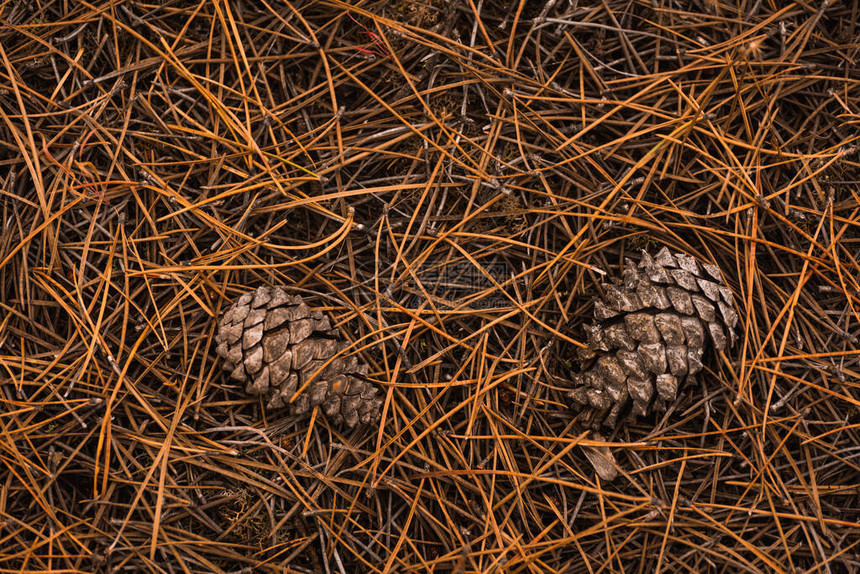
pixel 452 182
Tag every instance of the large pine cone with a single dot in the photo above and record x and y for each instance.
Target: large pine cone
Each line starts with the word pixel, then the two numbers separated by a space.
pixel 650 332
pixel 275 344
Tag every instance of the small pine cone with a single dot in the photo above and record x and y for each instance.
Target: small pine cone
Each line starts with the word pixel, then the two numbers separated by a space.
pixel 650 332
pixel 275 344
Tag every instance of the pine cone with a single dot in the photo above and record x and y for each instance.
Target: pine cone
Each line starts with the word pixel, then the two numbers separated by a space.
pixel 650 332
pixel 275 344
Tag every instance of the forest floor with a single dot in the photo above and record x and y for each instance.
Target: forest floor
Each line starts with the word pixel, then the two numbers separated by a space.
pixel 452 182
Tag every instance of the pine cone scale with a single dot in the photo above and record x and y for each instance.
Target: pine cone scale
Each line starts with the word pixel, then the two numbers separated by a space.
pixel 253 360
pixel 252 336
